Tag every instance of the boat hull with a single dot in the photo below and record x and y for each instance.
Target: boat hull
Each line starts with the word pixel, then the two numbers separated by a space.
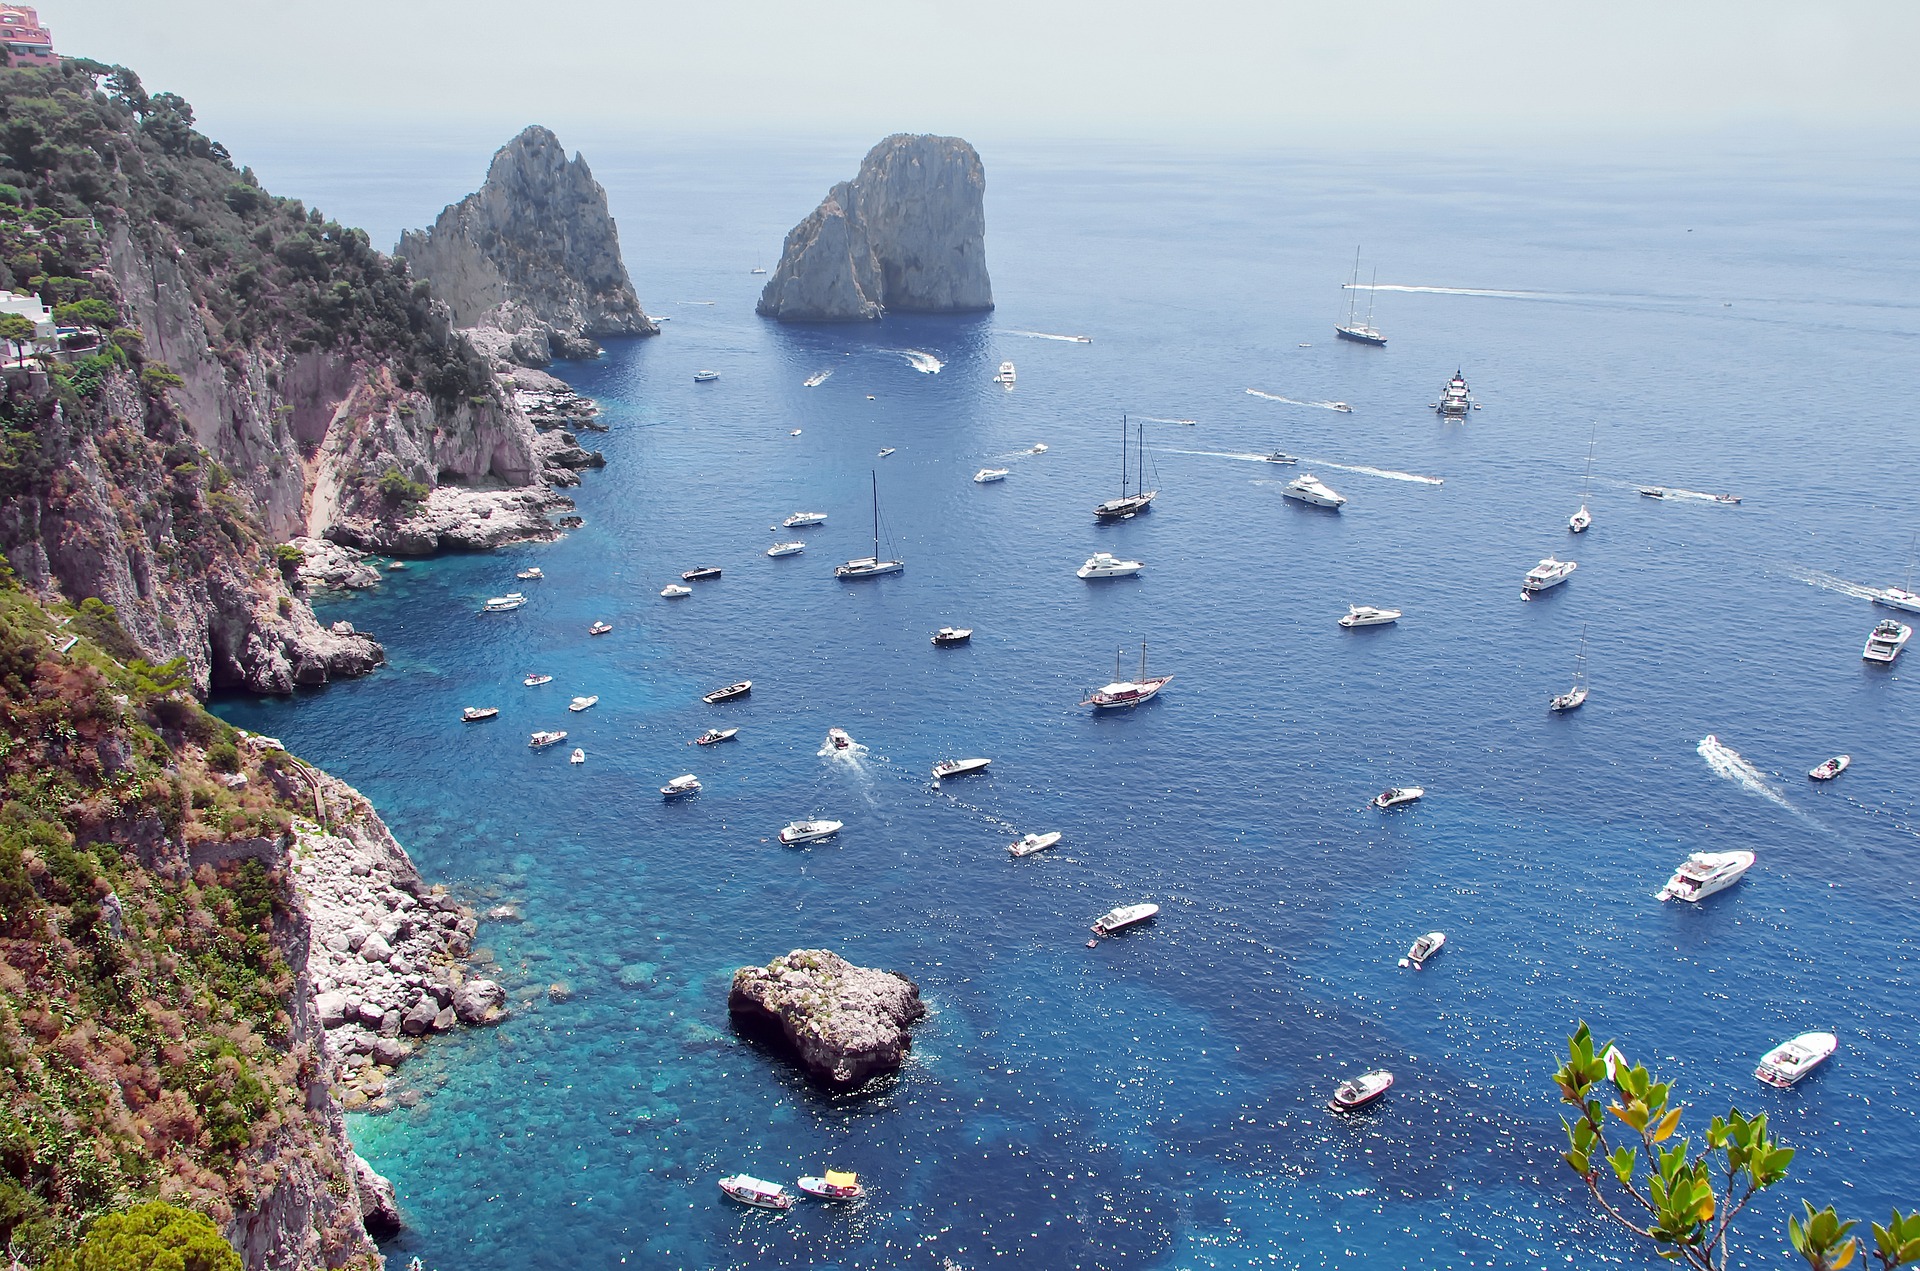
pixel 1361 336
pixel 1899 598
pixel 868 568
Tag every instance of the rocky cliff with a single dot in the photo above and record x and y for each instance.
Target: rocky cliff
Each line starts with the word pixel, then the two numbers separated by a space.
pixel 533 254
pixel 844 1023
pixel 908 234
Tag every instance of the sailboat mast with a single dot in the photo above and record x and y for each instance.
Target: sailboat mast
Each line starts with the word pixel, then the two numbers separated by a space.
pixel 876 515
pixel 1353 288
pixel 1143 662
pixel 1123 456
pixel 1372 287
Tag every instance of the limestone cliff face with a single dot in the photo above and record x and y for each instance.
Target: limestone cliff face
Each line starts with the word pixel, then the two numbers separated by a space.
pixel 534 252
pixel 908 235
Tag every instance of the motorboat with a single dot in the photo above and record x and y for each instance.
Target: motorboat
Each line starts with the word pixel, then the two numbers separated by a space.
pixel 1423 948
pixel 958 767
pixel 395 566
pixel 579 704
pixel 504 604
pixel 530 574
pixel 1791 1060
pixel 796 432
pixel 680 787
pixel 809 831
pixel 987 476
pixel 1654 491
pixel 1123 917
pixel 1353 329
pixel 1037 448
pixel 1550 572
pixel 1280 456
pixel 700 574
pixel 1120 694
pixel 1395 796
pixel 840 739
pixel 1357 1092
pixel 885 451
pixel 473 714
pixel 578 756
pixel 599 628
pixel 800 519
pixel 1726 498
pixel 1888 638
pixel 953 635
pixel 1576 696
pixel 834 1185
pixel 705 377
pixel 1342 407
pixel 1704 873
pixel 1129 505
pixel 1455 399
pixel 1107 565
pixel 1308 488
pixel 816 379
pixel 1369 616
pixel 674 591
pixel 728 693
pixel 1004 375
pixel 542 739
pixel 786 549
pixel 1831 768
pixel 757 1192
pixel 875 565
pixel 1031 843
pixel 536 680
pixel 714 736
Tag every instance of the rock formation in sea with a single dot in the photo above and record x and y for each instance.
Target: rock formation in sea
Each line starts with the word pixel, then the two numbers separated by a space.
pixel 844 1023
pixel 906 235
pixel 531 260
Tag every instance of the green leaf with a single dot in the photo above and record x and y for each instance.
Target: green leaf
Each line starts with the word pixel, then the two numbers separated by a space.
pixel 1623 1162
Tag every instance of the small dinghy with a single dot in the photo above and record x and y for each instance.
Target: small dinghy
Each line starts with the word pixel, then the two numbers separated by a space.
pixel 1831 768
pixel 728 693
pixel 757 1192
pixel 836 1185
pixel 958 767
pixel 578 756
pixel 1791 1060
pixel 1394 796
pixel 583 703
pixel 474 714
pixel 536 680
pixel 680 787
pixel 1032 843
pixel 599 628
pixel 1357 1092
pixel 953 635
pixel 1423 948
pixel 714 736
pixel 1123 917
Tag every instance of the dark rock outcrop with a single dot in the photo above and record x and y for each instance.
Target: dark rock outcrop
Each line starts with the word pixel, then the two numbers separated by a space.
pixel 533 254
pixel 907 235
pixel 845 1023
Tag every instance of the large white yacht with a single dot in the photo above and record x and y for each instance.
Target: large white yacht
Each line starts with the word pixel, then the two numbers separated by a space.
pixel 871 566
pixel 1125 916
pixel 799 519
pixel 1310 489
pixel 786 549
pixel 1899 598
pixel 1004 375
pixel 988 475
pixel 809 831
pixel 1369 616
pixel 1888 638
pixel 1704 873
pixel 1550 572
pixel 1793 1059
pixel 1107 565
pixel 1455 400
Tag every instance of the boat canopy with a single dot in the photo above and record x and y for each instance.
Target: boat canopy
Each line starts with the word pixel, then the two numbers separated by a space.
pixel 842 1178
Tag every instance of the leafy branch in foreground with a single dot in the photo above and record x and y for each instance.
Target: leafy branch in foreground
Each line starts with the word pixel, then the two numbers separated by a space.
pixel 1682 1200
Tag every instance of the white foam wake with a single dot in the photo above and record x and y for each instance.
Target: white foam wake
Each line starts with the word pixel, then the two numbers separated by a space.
pixel 1159 419
pixel 1294 401
pixel 1387 474
pixel 1726 762
pixel 922 361
pixel 1048 335
pixel 1829 582
pixel 1469 291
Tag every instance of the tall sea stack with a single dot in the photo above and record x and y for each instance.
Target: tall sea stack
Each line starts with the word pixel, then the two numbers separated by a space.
pixel 907 235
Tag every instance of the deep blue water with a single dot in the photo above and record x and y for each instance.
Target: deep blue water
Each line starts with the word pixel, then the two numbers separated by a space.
pixel 1157 1102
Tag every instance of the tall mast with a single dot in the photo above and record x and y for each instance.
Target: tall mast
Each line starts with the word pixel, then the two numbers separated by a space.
pixel 1353 288
pixel 1580 660
pixel 1116 664
pixel 1586 484
pixel 1372 287
pixel 1123 456
pixel 1143 661
pixel 876 516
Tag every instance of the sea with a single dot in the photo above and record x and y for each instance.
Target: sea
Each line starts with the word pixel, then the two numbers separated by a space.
pixel 1707 321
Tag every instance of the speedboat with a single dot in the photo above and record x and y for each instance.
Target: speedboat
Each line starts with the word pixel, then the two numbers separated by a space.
pixel 1357 1092
pixel 583 703
pixel 1031 843
pixel 885 451
pixel 1423 948
pixel 757 1192
pixel 836 1185
pixel 1550 572
pixel 1654 491
pixel 541 740
pixel 1107 565
pixel 1308 488
pixel 1455 400
pixel 799 519
pixel 599 628
pixel 1004 375
pixel 1726 498
pixel 536 680
pixel 473 713
pixel 1280 456
pixel 796 432
pixel 674 591
pixel 504 604
pixel 1580 521
pixel 1125 916
pixel 987 475
pixel 1831 768
pixel 530 574
pixel 1791 1060
pixel 809 831
pixel 728 693
pixel 700 574
pixel 1704 873
pixel 1888 638
pixel 1368 616
pixel 958 767
pixel 1037 448
pixel 705 377
pixel 1120 693
pixel 680 787
pixel 714 736
pixel 816 379
pixel 578 756
pixel 1899 598
pixel 1394 796
pixel 786 549
pixel 840 739
pixel 953 635
pixel 1342 407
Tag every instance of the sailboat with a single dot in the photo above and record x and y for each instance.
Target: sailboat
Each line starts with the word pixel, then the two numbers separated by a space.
pixel 1123 693
pixel 1128 505
pixel 1575 697
pixel 1903 597
pixel 871 566
pixel 1580 520
pixel 1355 330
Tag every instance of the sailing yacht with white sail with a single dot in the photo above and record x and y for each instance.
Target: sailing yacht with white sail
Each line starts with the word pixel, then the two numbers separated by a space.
pixel 871 566
pixel 1354 329
pixel 1128 505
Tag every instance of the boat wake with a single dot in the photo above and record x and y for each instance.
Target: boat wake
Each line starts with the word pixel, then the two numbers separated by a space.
pixel 1726 762
pixel 1489 292
pixel 1387 474
pixel 1828 582
pixel 817 379
pixel 1291 401
pixel 849 755
pixel 1048 335
pixel 1675 492
pixel 1158 419
pixel 921 361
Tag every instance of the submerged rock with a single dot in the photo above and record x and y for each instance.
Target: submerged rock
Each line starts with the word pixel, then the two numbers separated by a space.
pixel 845 1023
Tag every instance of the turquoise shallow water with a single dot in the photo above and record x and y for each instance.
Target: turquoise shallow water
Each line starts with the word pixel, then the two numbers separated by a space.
pixel 1157 1102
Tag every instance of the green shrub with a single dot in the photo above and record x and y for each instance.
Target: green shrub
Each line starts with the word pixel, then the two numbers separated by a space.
pixel 400 492
pixel 153 1237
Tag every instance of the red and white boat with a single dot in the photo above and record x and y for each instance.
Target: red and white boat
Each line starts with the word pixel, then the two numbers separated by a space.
pixel 1791 1060
pixel 1123 693
pixel 1357 1092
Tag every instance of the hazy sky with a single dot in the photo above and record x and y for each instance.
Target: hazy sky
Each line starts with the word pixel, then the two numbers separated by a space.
pixel 1313 73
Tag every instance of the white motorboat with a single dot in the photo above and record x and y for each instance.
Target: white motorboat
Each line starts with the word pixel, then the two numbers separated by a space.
pixel 885 451
pixel 953 635
pixel 1888 638
pixel 786 549
pixel 504 604
pixel 1107 565
pixel 1004 375
pixel 1550 572
pixel 530 574
pixel 1831 768
pixel 1121 694
pixel 836 1185
pixel 1395 796
pixel 757 1192
pixel 801 519
pixel 875 565
pixel 1129 505
pixel 1308 488
pixel 809 831
pixel 578 756
pixel 1654 491
pixel 705 377
pixel 1280 456
pixel 1031 843
pixel 840 739
pixel 728 693
pixel 583 703
pixel 1576 696
pixel 1793 1059
pixel 1123 917
pixel 674 591
pixel 1455 400
pixel 1726 498
pixel 542 739
pixel 536 680
pixel 1704 873
pixel 680 787
pixel 816 379
pixel 474 714
pixel 1342 407
pixel 988 475
pixel 1423 948
pixel 599 628
pixel 1037 448
pixel 714 736
pixel 700 574
pixel 796 432
pixel 1355 330
pixel 1369 616
pixel 958 767
pixel 1358 1092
